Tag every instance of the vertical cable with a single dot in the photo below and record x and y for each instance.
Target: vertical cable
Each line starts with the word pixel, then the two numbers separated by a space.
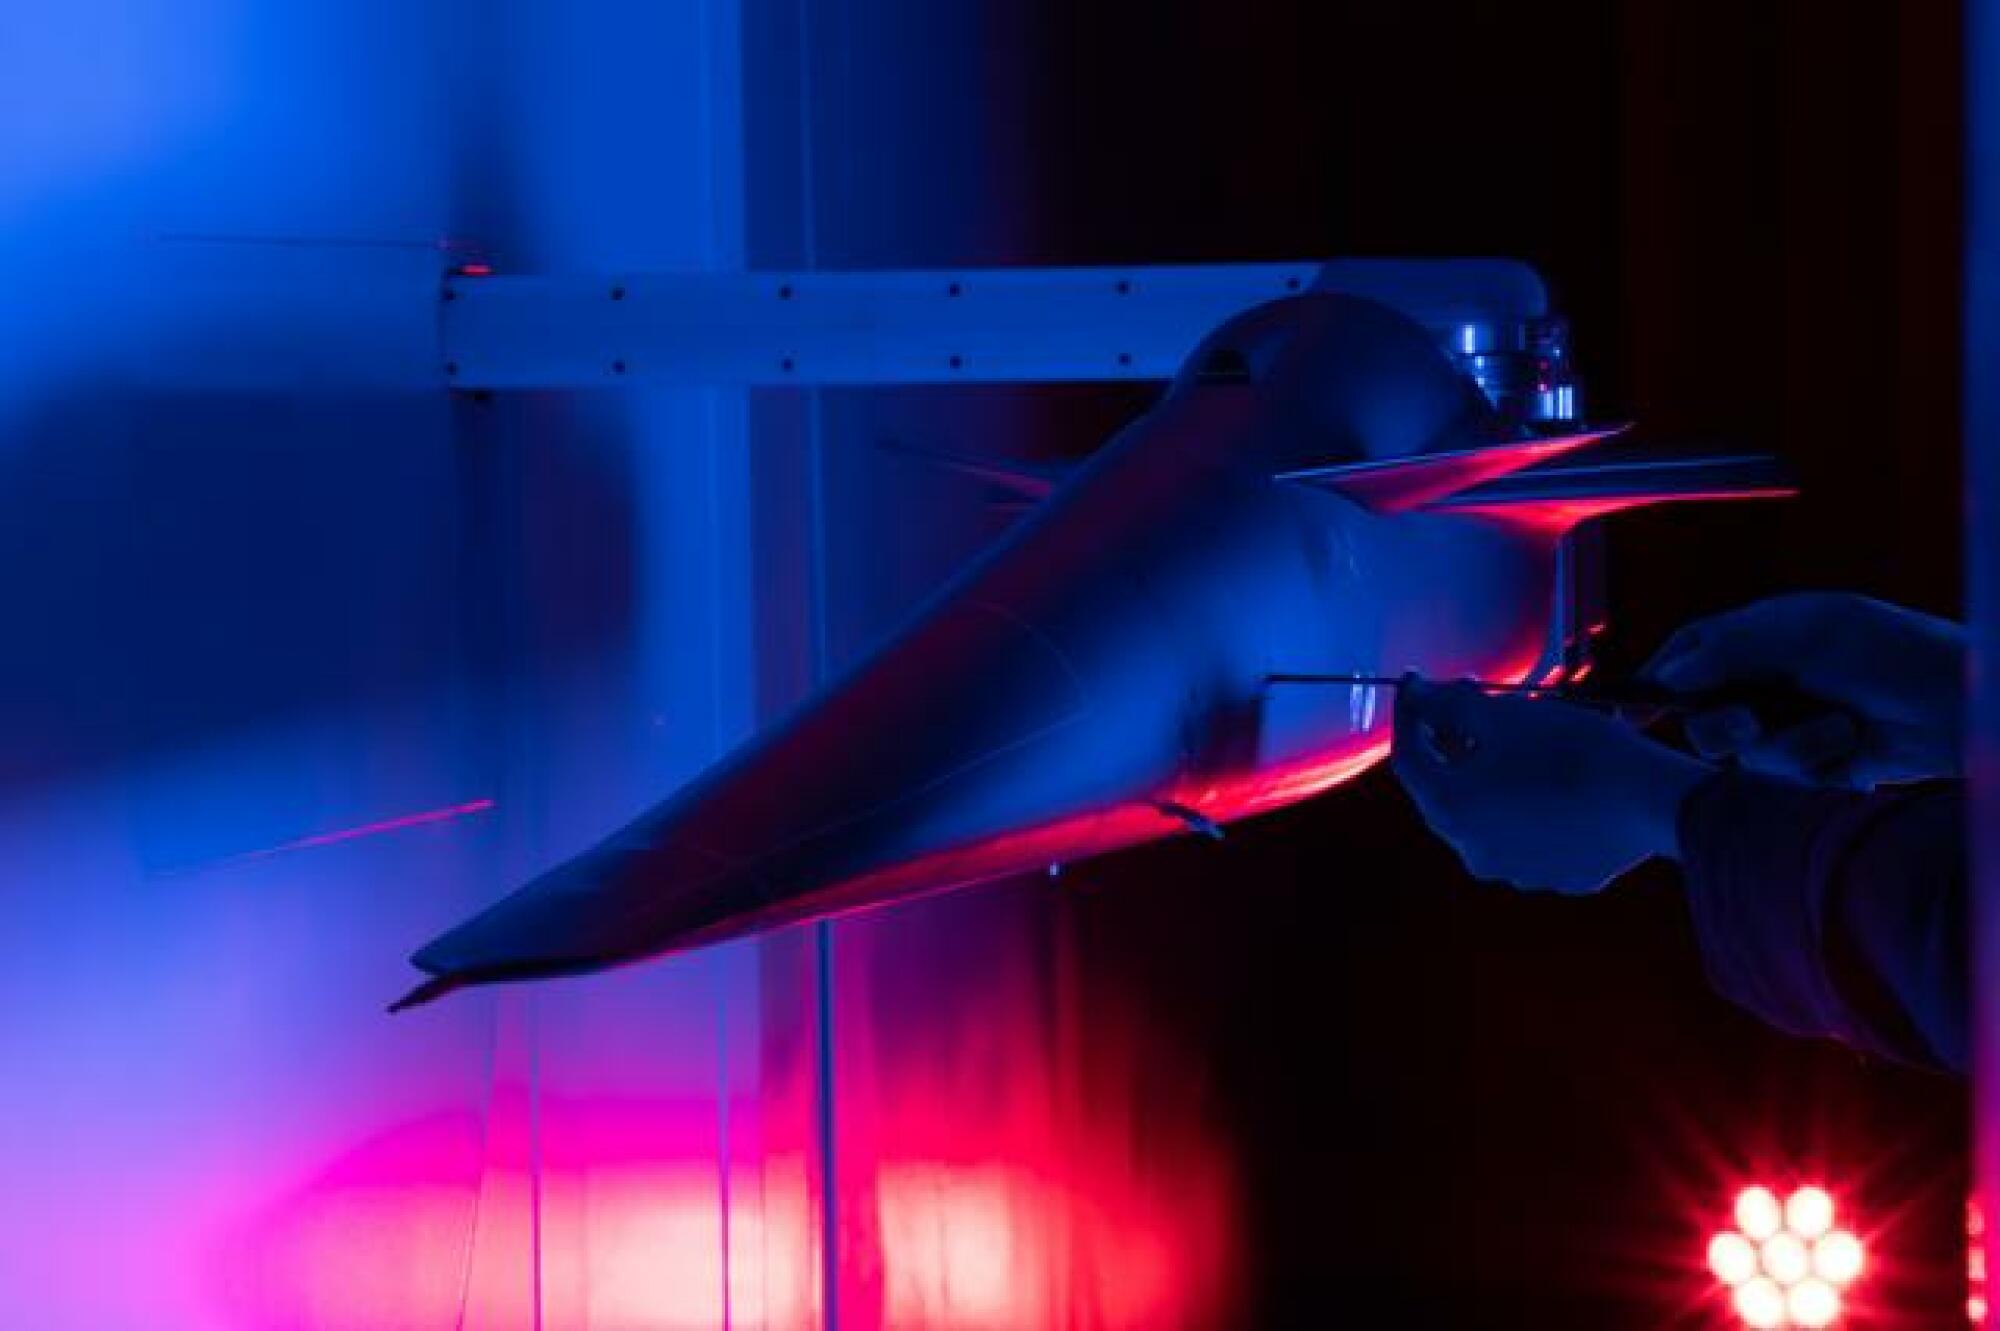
pixel 706 98
pixel 722 1146
pixel 485 1164
pixel 1980 388
pixel 534 1147
pixel 829 1173
pixel 818 611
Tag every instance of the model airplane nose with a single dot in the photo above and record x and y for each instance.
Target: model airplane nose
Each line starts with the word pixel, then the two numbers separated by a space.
pixel 952 735
pixel 574 924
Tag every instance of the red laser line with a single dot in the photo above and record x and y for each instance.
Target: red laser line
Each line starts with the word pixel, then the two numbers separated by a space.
pixel 335 837
pixel 376 829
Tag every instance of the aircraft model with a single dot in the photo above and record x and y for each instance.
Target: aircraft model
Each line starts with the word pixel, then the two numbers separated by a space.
pixel 1321 491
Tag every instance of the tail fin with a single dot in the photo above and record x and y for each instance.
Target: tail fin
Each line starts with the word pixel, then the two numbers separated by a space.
pixel 1398 485
pixel 1026 481
pixel 1561 495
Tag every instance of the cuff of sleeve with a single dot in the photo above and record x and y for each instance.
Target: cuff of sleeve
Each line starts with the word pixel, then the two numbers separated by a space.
pixel 1756 852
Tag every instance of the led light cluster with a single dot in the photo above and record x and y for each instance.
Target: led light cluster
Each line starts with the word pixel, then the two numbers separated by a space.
pixel 1785 1264
pixel 1975 1263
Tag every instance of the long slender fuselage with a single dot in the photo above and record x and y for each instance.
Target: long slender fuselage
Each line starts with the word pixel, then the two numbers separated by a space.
pixel 1096 678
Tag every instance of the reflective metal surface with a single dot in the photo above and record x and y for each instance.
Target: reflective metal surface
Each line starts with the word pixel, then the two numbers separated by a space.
pixel 1522 365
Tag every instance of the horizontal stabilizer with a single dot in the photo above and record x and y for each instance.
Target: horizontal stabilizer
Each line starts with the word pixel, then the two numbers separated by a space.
pixel 1029 480
pixel 1397 485
pixel 1566 494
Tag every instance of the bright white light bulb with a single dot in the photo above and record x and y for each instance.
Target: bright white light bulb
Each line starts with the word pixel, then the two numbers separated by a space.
pixel 1837 1257
pixel 1812 1303
pixel 1758 1214
pixel 1732 1257
pixel 1760 1303
pixel 1809 1212
pixel 1786 1258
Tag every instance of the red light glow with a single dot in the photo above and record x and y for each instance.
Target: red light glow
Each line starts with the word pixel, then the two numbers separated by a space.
pixel 1975 1263
pixel 1760 1303
pixel 1555 516
pixel 1732 1257
pixel 1784 1263
pixel 1837 1258
pixel 1812 1303
pixel 1758 1214
pixel 1785 1258
pixel 1809 1212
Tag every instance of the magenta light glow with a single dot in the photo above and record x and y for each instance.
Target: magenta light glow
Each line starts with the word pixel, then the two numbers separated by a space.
pixel 1975 1263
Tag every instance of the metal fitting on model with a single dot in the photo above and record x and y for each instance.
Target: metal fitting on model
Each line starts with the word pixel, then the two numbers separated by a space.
pixel 1522 366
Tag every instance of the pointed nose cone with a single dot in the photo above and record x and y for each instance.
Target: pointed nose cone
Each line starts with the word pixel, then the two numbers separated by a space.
pixel 584 914
pixel 952 733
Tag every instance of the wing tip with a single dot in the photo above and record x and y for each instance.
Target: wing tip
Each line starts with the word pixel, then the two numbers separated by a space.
pixel 1422 480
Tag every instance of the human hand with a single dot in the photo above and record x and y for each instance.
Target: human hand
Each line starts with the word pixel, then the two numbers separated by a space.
pixel 1539 793
pixel 1894 679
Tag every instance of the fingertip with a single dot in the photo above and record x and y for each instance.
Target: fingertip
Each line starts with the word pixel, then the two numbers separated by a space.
pixel 1772 760
pixel 1683 671
pixel 1817 751
pixel 1670 655
pixel 1722 733
pixel 1402 712
pixel 1414 697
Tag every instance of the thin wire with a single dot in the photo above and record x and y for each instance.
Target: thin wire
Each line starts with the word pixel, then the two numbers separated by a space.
pixel 1606 700
pixel 722 1145
pixel 528 1011
pixel 485 1157
pixel 822 932
pixel 713 458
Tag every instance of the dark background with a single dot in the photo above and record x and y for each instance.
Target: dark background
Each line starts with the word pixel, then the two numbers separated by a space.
pixel 1443 1103
pixel 1481 1108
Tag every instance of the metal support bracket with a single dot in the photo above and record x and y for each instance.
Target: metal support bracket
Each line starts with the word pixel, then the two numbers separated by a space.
pixel 1021 325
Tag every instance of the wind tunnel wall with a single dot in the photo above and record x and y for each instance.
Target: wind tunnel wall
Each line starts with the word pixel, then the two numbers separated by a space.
pixel 309 658
pixel 306 658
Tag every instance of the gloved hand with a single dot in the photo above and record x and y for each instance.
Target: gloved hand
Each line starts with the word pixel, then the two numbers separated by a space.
pixel 1537 792
pixel 1896 676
